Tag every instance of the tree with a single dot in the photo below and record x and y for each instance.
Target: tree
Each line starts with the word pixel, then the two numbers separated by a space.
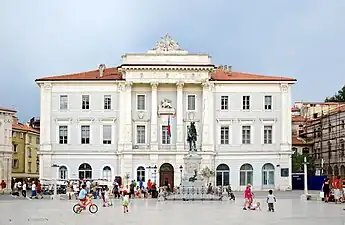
pixel 207 173
pixel 338 97
pixel 297 163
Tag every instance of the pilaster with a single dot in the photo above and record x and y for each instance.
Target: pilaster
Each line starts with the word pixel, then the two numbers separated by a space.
pixel 207 116
pixel 179 117
pixel 284 116
pixel 45 113
pixel 125 122
pixel 154 139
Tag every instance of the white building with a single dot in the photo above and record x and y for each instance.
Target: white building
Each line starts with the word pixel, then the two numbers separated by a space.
pixel 6 116
pixel 113 121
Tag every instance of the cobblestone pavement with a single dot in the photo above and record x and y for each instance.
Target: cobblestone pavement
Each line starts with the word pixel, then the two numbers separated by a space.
pixel 288 211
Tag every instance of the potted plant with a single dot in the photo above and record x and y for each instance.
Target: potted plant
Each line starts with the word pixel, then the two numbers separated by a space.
pixel 207 173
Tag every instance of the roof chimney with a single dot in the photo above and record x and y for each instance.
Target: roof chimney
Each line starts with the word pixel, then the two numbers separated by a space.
pixel 229 70
pixel 220 67
pixel 101 68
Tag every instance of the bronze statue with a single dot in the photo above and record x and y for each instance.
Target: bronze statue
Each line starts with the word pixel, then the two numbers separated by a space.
pixel 192 137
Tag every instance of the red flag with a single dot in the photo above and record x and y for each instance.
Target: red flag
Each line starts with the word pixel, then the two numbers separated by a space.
pixel 169 131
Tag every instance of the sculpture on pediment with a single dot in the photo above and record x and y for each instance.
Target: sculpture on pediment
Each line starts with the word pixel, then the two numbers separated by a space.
pixel 165 107
pixel 167 44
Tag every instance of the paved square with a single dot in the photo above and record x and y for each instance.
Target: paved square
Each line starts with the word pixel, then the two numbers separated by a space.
pixel 289 210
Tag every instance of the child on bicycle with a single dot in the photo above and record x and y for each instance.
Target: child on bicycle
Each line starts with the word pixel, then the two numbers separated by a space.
pixel 83 195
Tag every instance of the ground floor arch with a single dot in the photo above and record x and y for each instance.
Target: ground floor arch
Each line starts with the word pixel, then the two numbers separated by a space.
pixel 166 175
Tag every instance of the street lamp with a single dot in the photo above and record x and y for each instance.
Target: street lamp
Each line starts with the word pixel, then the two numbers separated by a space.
pixel 181 168
pixel 55 181
pixel 155 173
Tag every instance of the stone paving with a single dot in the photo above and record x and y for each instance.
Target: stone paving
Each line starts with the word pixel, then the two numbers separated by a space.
pixel 288 211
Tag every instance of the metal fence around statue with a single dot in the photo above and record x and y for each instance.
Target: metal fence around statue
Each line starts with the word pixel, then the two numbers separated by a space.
pixel 193 194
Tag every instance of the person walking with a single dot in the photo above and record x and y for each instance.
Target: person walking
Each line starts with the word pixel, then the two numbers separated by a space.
pixel 271 199
pixel 24 189
pixel 248 197
pixel 336 187
pixel 2 186
pixel 326 189
pixel 33 190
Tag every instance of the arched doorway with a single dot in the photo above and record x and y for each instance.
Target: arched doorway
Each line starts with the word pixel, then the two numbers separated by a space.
pixel 85 171
pixel 246 174
pixel 63 173
pixel 222 175
pixel 166 175
pixel 268 176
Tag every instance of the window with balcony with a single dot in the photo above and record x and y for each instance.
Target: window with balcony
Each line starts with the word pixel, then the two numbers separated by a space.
pixel 246 134
pixel 63 135
pixel 224 135
pixel 107 134
pixel 166 138
pixel 141 134
pixel 85 134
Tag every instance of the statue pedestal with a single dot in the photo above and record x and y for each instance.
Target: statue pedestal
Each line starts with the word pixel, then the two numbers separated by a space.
pixel 192 163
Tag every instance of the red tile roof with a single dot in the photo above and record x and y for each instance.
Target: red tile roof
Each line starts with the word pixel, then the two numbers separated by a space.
pixel 297 141
pixel 298 119
pixel 20 126
pixel 114 74
pixel 6 109
pixel 108 74
pixel 221 75
pixel 295 109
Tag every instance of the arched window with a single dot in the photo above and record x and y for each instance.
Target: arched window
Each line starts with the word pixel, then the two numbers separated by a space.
pixel 330 170
pixel 222 175
pixel 294 150
pixel 342 170
pixel 336 171
pixel 107 173
pixel 246 174
pixel 141 173
pixel 63 173
pixel 268 176
pixel 85 171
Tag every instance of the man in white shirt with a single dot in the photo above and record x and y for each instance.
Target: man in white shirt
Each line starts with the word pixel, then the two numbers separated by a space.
pixel 33 190
pixel 88 186
pixel 24 190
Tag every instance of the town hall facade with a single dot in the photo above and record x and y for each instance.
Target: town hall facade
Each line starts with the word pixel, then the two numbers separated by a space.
pixel 132 121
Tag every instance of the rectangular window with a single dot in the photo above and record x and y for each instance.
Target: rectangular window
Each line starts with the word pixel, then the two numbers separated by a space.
pixel 85 134
pixel 107 102
pixel 63 102
pixel 165 136
pixel 245 134
pixel 141 139
pixel 343 124
pixel 30 139
pixel 29 152
pixel 14 148
pixel 29 167
pixel 14 134
pixel 85 102
pixel 224 102
pixel 37 140
pixel 224 135
pixel 246 103
pixel 268 102
pixel 63 135
pixel 191 102
pixel 284 172
pixel 141 102
pixel 268 134
pixel 15 163
pixel 107 134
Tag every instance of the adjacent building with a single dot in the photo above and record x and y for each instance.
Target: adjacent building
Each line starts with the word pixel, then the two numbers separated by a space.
pixel 6 144
pixel 26 144
pixel 326 135
pixel 132 120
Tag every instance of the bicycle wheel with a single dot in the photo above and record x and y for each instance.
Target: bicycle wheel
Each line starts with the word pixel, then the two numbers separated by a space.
pixel 77 208
pixel 93 208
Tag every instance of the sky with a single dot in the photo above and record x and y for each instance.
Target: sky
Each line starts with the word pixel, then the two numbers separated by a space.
pixel 303 39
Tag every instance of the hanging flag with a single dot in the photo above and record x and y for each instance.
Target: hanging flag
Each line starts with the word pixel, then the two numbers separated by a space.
pixel 169 131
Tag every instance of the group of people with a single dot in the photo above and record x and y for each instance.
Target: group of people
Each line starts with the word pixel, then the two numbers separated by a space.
pixel 333 191
pixel 250 204
pixel 21 188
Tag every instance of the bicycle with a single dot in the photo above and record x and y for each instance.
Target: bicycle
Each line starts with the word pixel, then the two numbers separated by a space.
pixel 93 208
